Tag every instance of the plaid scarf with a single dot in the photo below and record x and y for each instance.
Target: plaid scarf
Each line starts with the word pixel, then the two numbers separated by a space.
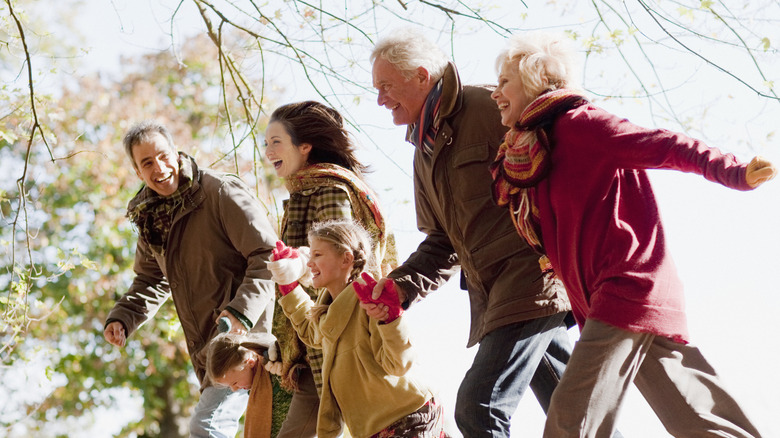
pixel 367 210
pixel 153 215
pixel 523 161
pixel 424 131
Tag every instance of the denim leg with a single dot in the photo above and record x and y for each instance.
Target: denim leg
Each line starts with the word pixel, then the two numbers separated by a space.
pixel 505 364
pixel 551 367
pixel 218 412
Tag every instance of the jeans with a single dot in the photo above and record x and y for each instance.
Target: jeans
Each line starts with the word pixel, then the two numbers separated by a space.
pixel 218 412
pixel 510 359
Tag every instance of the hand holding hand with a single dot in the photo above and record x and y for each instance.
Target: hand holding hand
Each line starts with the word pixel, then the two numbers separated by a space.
pixel 288 266
pixel 234 326
pixel 389 296
pixel 115 334
pixel 273 363
pixel 759 171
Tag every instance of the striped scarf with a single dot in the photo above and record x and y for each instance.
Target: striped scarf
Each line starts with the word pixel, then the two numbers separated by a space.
pixel 523 161
pixel 424 131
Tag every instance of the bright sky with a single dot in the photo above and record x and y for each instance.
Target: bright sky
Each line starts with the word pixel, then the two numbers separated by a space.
pixel 726 243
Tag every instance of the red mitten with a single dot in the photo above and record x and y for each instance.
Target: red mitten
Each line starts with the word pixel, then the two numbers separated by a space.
pixel 283 251
pixel 389 296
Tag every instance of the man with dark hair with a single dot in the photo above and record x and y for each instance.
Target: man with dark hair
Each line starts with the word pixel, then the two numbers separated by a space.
pixel 204 238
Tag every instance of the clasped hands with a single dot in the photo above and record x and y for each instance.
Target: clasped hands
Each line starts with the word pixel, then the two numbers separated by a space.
pixel 288 267
pixel 380 299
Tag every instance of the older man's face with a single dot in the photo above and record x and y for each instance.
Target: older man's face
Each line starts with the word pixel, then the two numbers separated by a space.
pixel 403 97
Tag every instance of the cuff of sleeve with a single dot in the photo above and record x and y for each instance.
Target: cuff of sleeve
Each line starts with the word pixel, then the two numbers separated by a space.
pixel 244 320
pixel 110 320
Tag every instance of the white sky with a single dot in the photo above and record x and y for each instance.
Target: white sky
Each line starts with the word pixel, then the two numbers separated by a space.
pixel 726 244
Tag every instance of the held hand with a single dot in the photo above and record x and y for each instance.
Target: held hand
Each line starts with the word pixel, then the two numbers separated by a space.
pixel 288 265
pixel 283 251
pixel 759 171
pixel 274 367
pixel 115 334
pixel 272 355
pixel 389 297
pixel 236 326
pixel 376 311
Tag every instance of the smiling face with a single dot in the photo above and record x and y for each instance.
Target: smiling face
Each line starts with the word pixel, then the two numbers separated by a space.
pixel 330 268
pixel 239 377
pixel 403 97
pixel 286 157
pixel 510 94
pixel 157 164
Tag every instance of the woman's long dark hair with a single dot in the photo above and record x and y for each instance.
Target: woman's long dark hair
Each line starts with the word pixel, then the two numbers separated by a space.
pixel 323 128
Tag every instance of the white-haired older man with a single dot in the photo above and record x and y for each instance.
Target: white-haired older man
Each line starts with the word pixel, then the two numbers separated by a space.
pixel 517 313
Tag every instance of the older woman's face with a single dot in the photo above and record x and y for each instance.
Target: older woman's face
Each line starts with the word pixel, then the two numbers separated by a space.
pixel 510 94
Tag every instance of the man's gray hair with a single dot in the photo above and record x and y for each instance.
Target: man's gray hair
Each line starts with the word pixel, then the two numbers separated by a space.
pixel 407 49
pixel 141 132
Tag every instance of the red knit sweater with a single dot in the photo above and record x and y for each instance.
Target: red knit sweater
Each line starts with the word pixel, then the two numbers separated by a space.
pixel 601 227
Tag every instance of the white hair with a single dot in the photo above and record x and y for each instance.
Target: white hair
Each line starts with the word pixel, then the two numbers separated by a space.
pixel 544 61
pixel 407 49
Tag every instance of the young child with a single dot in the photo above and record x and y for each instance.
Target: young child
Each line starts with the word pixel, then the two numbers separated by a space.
pixel 368 382
pixel 236 360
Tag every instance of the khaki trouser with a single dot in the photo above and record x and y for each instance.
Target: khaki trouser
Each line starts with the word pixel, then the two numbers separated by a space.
pixel 301 419
pixel 675 379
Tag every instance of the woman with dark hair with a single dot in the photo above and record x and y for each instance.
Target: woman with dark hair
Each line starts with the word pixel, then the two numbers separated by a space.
pixel 309 148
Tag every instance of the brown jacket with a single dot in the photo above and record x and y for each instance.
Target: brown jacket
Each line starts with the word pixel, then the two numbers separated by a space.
pixel 216 256
pixel 463 225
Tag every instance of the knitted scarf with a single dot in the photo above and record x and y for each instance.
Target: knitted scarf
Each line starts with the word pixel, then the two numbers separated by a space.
pixel 523 160
pixel 424 131
pixel 153 215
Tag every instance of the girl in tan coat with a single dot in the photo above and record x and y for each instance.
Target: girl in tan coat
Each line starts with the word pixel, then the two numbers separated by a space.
pixel 368 379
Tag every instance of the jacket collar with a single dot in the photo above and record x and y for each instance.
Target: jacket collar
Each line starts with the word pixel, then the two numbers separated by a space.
pixel 450 98
pixel 340 312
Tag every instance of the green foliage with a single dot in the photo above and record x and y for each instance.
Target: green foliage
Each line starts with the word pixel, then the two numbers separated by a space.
pixel 73 248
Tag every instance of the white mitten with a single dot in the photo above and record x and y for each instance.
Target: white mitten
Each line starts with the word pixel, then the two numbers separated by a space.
pixel 274 367
pixel 291 267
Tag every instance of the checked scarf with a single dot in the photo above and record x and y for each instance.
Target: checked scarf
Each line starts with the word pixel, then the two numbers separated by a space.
pixel 363 200
pixel 523 160
pixel 424 131
pixel 153 216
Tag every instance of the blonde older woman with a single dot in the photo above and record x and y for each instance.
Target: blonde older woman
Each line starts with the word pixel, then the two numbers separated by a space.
pixel 574 178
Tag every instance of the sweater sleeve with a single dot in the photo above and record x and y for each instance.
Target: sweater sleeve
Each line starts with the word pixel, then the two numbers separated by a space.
pixel 624 145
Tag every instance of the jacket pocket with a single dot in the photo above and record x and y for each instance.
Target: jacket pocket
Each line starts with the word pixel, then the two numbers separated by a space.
pixel 471 177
